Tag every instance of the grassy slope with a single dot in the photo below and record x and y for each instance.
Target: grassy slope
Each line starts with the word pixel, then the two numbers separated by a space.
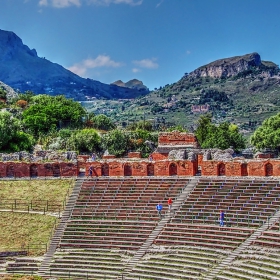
pixel 20 230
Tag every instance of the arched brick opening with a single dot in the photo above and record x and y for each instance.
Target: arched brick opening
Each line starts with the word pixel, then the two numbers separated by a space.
pixel 33 170
pixel 56 170
pixel 221 169
pixel 173 169
pixel 150 169
pixel 268 169
pixel 127 170
pixel 244 170
pixel 48 169
pixel 10 171
pixel 105 169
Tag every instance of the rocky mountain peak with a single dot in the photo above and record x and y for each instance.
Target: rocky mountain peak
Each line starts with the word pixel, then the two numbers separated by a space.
pixel 228 67
pixel 23 70
pixel 11 45
pixel 132 84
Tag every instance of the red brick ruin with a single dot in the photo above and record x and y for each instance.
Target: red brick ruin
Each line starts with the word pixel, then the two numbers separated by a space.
pixel 161 163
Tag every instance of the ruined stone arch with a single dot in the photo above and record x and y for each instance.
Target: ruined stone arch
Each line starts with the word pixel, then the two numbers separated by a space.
pixel 268 169
pixel 221 169
pixel 150 169
pixel 56 170
pixel 105 169
pixel 173 169
pixel 33 170
pixel 127 169
pixel 10 170
pixel 244 169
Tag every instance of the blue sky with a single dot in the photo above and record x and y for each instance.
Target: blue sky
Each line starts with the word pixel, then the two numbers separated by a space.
pixel 155 41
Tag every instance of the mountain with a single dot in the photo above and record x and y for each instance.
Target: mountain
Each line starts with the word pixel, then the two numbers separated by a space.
pixel 228 67
pixel 243 90
pixel 22 69
pixel 132 84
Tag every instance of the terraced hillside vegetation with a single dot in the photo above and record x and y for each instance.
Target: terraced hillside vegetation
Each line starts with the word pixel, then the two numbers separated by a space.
pixel 245 97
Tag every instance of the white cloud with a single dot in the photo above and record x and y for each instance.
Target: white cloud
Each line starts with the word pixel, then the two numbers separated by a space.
pixel 60 3
pixel 146 63
pixel 100 61
pixel 108 2
pixel 188 52
pixel 67 3
pixel 136 70
pixel 158 4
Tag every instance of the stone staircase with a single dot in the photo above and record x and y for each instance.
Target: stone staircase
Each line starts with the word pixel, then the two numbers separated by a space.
pixel 45 265
pixel 166 218
pixel 243 246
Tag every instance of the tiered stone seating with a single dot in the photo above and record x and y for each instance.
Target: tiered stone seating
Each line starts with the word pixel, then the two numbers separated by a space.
pixel 111 215
pixel 202 235
pixel 126 235
pixel 246 203
pixel 95 263
pixel 23 265
pixel 125 198
pixel 186 262
pixel 255 263
pixel 270 238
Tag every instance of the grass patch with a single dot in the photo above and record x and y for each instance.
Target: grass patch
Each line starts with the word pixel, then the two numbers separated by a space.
pixel 21 231
pixel 20 277
pixel 52 190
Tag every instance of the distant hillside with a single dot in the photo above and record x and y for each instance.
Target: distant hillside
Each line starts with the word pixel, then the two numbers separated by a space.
pixel 242 89
pixel 22 69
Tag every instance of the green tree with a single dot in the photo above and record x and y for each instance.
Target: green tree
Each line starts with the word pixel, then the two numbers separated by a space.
pixel 223 136
pixel 268 134
pixel 12 138
pixel 85 140
pixel 116 142
pixel 47 113
pixel 103 122
pixel 138 139
pixel 21 142
pixel 8 128
pixel 204 127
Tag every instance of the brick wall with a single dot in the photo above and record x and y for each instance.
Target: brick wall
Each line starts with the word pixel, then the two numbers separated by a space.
pixel 177 138
pixel 24 169
pixel 257 167
pixel 134 155
pixel 159 156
